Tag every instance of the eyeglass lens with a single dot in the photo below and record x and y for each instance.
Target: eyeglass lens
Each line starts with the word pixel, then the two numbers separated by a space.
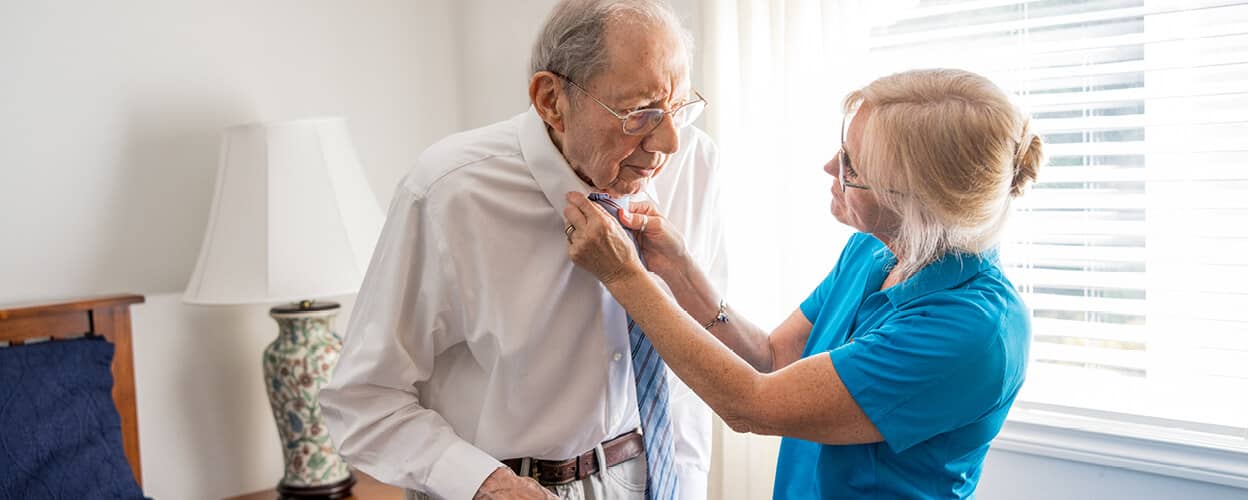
pixel 644 121
pixel 841 161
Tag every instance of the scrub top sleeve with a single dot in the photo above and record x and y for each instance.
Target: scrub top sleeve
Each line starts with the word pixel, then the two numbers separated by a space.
pixel 936 366
pixel 813 305
pixel 817 298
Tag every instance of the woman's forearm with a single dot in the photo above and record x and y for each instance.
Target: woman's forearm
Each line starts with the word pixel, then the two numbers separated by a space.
pixel 724 380
pixel 805 399
pixel 695 294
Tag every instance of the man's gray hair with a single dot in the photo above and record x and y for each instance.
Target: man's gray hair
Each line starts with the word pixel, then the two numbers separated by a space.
pixel 573 41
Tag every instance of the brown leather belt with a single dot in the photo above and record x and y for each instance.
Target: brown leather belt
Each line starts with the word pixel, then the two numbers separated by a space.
pixel 617 450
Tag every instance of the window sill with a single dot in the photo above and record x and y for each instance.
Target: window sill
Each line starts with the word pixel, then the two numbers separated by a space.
pixel 1168 452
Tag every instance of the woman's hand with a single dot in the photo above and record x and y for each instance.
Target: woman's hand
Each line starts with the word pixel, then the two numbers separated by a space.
pixel 662 245
pixel 597 243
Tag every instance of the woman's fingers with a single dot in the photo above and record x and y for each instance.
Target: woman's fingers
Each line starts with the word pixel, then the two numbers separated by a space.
pixel 578 218
pixel 596 242
pixel 589 220
pixel 641 216
pixel 574 213
pixel 643 207
pixel 591 215
pixel 633 220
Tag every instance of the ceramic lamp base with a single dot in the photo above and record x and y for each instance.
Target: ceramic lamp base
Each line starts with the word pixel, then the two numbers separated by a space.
pixel 296 365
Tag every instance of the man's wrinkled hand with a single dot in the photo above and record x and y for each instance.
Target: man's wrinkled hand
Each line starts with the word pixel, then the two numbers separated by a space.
pixel 503 484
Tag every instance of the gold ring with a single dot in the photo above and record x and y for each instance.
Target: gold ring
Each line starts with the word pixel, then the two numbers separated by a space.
pixel 569 230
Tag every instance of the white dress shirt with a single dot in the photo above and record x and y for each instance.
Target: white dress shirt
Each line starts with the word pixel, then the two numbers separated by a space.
pixel 475 338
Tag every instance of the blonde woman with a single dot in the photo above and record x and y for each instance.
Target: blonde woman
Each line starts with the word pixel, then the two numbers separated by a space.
pixel 892 378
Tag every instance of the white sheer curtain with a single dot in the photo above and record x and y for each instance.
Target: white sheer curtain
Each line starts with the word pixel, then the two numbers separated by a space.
pixel 1130 249
pixel 775 72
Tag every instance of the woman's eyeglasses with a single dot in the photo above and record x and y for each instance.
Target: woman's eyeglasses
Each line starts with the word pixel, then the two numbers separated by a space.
pixel 847 168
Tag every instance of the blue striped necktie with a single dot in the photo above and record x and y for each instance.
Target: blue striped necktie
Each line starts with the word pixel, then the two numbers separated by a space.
pixel 650 374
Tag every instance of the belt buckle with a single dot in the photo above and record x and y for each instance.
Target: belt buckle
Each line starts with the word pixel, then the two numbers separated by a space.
pixel 535 470
pixel 536 474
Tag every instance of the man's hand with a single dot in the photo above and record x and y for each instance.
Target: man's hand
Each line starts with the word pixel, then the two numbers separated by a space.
pixel 503 484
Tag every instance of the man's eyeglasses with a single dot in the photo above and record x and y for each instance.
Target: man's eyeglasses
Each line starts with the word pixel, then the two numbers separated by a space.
pixel 644 121
pixel 846 167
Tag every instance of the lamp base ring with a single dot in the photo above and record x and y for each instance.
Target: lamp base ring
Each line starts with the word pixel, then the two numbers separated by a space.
pixel 335 491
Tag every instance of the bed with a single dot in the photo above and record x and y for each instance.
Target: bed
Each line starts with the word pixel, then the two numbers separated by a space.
pixel 63 433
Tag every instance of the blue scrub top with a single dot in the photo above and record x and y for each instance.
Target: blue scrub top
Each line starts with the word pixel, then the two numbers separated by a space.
pixel 934 362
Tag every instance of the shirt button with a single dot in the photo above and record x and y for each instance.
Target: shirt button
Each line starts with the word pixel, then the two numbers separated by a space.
pixel 617 356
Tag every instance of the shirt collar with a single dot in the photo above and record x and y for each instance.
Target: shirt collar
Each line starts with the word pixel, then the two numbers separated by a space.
pixel 550 168
pixel 949 271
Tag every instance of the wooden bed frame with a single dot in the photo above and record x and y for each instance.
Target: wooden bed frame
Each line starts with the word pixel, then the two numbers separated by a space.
pixel 107 316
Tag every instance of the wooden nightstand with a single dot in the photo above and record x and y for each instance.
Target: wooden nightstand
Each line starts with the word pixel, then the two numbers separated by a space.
pixel 366 488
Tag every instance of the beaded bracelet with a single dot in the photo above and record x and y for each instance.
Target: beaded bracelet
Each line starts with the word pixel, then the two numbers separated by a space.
pixel 720 317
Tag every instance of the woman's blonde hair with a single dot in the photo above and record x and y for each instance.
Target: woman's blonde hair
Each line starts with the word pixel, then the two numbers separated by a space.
pixel 947 151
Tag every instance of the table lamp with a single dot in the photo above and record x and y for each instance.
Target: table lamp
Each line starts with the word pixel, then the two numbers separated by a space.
pixel 292 220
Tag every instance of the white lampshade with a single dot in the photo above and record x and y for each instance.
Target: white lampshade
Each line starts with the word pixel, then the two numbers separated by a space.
pixel 292 217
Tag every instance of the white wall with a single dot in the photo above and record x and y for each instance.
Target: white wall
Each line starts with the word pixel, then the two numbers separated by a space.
pixel 495 41
pixel 110 114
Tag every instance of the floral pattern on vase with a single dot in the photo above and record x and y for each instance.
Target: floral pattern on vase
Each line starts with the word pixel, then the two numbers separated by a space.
pixel 296 366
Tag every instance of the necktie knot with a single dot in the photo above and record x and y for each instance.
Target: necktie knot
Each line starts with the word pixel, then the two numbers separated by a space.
pixel 608 203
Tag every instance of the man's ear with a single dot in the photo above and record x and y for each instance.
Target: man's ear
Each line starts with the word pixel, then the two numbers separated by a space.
pixel 546 92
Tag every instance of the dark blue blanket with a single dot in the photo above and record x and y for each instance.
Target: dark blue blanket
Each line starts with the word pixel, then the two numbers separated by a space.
pixel 60 435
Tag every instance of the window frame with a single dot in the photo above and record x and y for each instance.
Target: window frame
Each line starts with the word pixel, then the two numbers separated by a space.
pixel 1139 447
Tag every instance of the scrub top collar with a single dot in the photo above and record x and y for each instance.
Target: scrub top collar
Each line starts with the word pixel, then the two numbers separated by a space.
pixel 949 271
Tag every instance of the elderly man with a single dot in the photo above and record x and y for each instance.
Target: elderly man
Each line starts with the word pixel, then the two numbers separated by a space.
pixel 479 361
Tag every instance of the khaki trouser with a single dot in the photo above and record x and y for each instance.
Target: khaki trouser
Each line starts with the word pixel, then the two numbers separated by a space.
pixel 622 481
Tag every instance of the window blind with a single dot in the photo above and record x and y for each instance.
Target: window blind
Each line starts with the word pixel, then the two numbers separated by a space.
pixel 1132 248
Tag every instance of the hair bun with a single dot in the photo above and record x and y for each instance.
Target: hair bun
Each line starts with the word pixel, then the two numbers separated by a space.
pixel 1027 160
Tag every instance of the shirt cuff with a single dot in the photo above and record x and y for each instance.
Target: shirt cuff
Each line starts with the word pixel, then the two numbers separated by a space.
pixel 459 473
